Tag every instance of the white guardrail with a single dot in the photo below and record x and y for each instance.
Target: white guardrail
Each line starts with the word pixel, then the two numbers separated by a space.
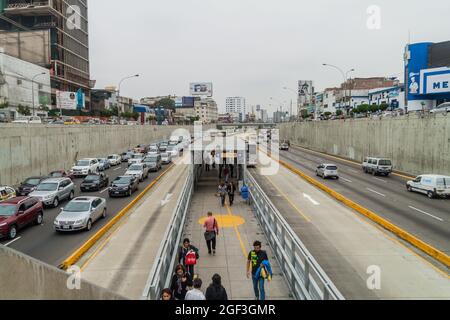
pixel 304 276
pixel 161 271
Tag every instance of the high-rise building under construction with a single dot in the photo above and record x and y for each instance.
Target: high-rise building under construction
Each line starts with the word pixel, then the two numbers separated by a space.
pixel 53 34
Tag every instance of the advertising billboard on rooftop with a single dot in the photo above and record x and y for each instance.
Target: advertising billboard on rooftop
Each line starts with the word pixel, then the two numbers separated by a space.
pixel 201 89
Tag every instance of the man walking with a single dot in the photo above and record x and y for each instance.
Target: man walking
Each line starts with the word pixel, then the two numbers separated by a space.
pixel 257 259
pixel 211 233
pixel 231 189
pixel 223 193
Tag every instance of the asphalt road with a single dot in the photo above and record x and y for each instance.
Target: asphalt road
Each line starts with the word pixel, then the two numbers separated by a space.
pixel 428 219
pixel 44 244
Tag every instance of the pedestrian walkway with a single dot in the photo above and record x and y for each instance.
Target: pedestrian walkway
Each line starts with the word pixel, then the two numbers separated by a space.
pixel 239 228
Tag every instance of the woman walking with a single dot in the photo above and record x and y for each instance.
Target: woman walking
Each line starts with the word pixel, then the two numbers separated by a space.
pixel 215 290
pixel 180 283
pixel 223 193
pixel 211 232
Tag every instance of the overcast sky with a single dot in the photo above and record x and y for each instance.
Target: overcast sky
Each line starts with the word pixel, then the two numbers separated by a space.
pixel 252 48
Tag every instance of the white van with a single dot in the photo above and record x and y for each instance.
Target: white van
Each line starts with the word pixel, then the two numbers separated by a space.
pixel 28 120
pixel 377 165
pixel 431 185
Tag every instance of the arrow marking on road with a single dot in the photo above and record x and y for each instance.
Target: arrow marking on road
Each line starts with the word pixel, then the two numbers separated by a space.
pixel 166 200
pixel 314 202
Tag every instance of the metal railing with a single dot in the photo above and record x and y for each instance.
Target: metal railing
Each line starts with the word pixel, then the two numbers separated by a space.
pixel 164 264
pixel 304 276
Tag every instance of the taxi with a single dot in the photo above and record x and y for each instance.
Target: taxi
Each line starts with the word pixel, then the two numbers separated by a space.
pixel 7 193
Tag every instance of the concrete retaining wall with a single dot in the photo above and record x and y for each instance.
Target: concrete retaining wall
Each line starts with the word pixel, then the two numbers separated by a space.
pixel 416 145
pixel 24 278
pixel 34 150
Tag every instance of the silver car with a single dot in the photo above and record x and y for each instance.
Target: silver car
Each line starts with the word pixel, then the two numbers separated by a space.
pixel 442 108
pixel 80 214
pixel 166 158
pixel 52 191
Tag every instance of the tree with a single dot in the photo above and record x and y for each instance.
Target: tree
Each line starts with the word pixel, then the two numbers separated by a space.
pixel 4 105
pixel 166 103
pixel 23 110
pixel 304 114
pixel 106 113
pixel 53 113
pixel 339 112
pixel 129 115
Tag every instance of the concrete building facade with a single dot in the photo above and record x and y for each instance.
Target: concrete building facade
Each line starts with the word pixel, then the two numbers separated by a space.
pixel 236 105
pixel 206 110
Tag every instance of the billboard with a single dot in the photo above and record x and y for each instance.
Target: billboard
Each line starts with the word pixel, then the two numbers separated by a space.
pixel 70 100
pixel 435 81
pixel 305 92
pixel 188 102
pixel 201 89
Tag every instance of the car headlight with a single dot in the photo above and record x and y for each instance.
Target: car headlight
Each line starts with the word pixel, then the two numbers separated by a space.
pixel 79 221
pixel 56 222
pixel 48 197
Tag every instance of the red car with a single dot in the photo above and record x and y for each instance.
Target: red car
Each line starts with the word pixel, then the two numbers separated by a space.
pixel 17 213
pixel 61 174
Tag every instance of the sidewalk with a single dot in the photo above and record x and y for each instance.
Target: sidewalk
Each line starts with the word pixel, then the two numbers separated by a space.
pixel 238 229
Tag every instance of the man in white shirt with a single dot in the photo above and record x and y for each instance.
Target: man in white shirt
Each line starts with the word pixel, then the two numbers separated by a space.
pixel 196 293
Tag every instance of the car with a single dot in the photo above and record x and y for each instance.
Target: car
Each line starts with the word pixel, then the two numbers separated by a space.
pixel 284 146
pixel 153 150
pixel 17 213
pixel 153 162
pixel 166 158
pixel 163 146
pixel 28 120
pixel 85 167
pixel 141 149
pixel 327 170
pixel 56 122
pixel 135 158
pixel 114 159
pixel 80 214
pixel 29 185
pixel 139 170
pixel 442 108
pixel 53 191
pixel 430 184
pixel 126 156
pixel 94 182
pixel 377 166
pixel 7 193
pixel 61 174
pixel 123 186
pixel 172 150
pixel 103 164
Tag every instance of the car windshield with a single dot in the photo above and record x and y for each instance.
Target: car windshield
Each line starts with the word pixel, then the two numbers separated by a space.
pixel 111 157
pixel 56 174
pixel 33 181
pixel 137 156
pixel 7 210
pixel 77 206
pixel 83 163
pixel 164 155
pixel 135 167
pixel 47 187
pixel 170 148
pixel 385 162
pixel 122 180
pixel 92 178
pixel 332 168
pixel 102 160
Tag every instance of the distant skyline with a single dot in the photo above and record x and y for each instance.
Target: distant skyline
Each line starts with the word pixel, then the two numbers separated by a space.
pixel 252 48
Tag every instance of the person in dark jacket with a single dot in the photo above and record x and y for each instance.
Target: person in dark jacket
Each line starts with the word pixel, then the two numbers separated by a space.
pixel 215 290
pixel 181 280
pixel 231 189
pixel 166 294
pixel 182 251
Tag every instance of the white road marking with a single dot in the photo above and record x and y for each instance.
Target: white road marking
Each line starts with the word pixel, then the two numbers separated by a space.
pixel 428 214
pixel 166 200
pixel 347 180
pixel 371 190
pixel 354 171
pixel 104 190
pixel 380 180
pixel 117 168
pixel 314 202
pixel 11 242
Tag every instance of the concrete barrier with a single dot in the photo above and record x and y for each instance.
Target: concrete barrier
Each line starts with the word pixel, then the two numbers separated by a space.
pixel 24 278
pixel 34 150
pixel 415 145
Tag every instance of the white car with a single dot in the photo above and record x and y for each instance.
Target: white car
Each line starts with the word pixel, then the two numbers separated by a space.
pixel 114 159
pixel 28 120
pixel 443 108
pixel 327 170
pixel 138 170
pixel 173 151
pixel 85 167
pixel 135 158
pixel 432 185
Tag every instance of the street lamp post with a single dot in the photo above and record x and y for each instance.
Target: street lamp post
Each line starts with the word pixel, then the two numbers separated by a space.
pixel 32 90
pixel 118 92
pixel 344 76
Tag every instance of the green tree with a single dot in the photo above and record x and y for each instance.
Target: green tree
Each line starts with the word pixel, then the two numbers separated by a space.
pixel 339 112
pixel 4 105
pixel 166 103
pixel 23 110
pixel 304 114
pixel 130 115
pixel 106 113
pixel 384 106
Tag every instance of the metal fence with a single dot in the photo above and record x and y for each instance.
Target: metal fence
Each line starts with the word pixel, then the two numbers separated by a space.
pixel 164 264
pixel 305 278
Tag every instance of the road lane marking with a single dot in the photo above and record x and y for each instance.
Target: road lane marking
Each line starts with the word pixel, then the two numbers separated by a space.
pixel 428 214
pixel 166 200
pixel 117 168
pixel 104 190
pixel 380 180
pixel 354 171
pixel 11 242
pixel 238 234
pixel 314 202
pixel 371 190
pixel 347 180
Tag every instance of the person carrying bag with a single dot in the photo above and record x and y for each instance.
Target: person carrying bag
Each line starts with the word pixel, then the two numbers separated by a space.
pixel 211 233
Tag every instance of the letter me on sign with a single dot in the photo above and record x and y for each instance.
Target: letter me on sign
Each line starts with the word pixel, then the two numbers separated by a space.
pixel 437 83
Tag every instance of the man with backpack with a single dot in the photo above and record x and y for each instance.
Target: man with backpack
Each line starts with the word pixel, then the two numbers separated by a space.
pixel 188 256
pixel 211 232
pixel 258 267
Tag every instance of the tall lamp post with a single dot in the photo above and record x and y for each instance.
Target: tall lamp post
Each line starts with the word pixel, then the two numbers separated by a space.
pixel 344 76
pixel 32 90
pixel 118 92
